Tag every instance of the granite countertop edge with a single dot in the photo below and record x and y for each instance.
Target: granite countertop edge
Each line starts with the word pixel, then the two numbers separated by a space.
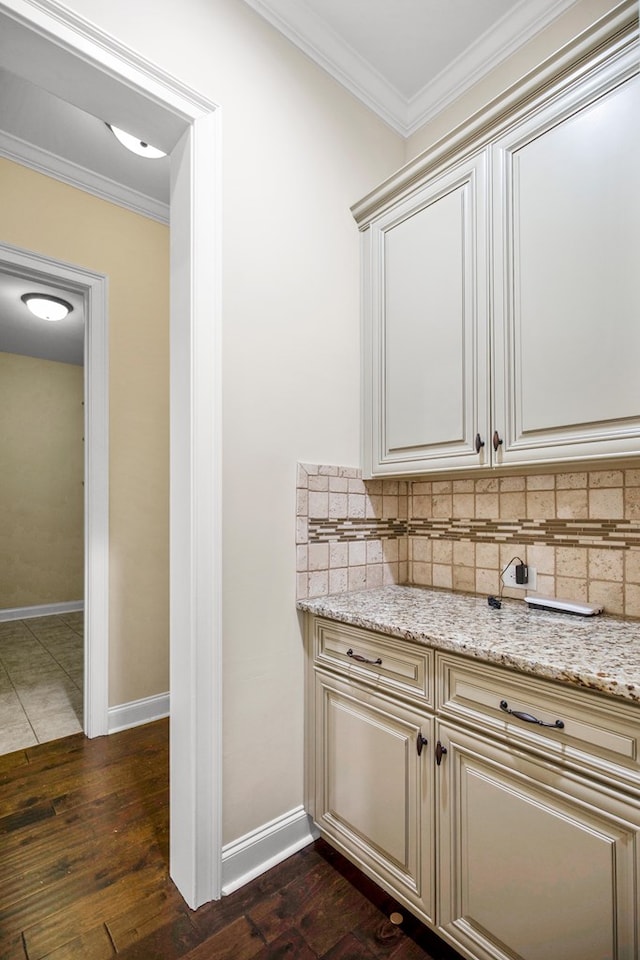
pixel 600 653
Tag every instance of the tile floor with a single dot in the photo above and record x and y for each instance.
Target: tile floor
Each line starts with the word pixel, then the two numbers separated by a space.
pixel 41 680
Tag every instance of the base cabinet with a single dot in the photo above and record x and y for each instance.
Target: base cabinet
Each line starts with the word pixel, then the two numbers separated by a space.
pixel 509 843
pixel 534 863
pixel 373 787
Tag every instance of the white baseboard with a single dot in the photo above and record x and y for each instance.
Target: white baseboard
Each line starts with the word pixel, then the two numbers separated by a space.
pixel 42 610
pixel 133 714
pixel 258 851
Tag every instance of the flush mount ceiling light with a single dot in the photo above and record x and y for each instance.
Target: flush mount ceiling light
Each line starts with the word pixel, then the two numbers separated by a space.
pixel 46 307
pixel 132 143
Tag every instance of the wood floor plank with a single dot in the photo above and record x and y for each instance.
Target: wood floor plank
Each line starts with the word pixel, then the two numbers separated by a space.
pixel 276 914
pixel 93 945
pixel 30 849
pixel 25 818
pixel 9 762
pixel 73 867
pixel 172 941
pixel 380 936
pixel 213 916
pixel 12 948
pixel 290 946
pixel 336 910
pixel 80 915
pixel 73 779
pixel 238 941
pixel 349 948
pixel 145 917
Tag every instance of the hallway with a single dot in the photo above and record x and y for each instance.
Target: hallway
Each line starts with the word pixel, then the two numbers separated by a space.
pixel 41 680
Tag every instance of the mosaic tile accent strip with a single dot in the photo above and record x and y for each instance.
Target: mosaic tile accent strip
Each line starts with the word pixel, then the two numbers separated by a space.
pixel 345 531
pixel 606 534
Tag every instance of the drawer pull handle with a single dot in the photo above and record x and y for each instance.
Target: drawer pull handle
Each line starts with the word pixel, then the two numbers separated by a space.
pixel 356 656
pixel 440 752
pixel 479 443
pixel 528 718
pixel 420 742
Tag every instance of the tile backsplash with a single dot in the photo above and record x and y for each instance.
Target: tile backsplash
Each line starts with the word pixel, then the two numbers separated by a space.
pixel 579 529
pixel 351 533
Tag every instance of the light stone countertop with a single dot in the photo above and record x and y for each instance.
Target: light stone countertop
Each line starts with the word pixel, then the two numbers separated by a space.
pixel 600 652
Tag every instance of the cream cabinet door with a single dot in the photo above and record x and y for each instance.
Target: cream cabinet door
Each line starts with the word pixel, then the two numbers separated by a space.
pixel 535 864
pixel 373 789
pixel 425 344
pixel 566 219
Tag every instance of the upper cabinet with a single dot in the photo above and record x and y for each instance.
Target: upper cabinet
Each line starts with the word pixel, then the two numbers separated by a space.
pixel 501 300
pixel 425 334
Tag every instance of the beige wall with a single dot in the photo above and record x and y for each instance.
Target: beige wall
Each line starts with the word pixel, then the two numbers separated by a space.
pixel 41 493
pixel 49 217
pixel 297 152
pixel 577 19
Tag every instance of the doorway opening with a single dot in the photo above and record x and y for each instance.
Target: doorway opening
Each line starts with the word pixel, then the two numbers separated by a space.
pixel 82 499
pixel 51 46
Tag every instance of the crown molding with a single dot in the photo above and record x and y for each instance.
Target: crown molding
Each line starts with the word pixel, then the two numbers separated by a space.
pixel 50 164
pixel 326 48
pixel 491 49
pixel 613 39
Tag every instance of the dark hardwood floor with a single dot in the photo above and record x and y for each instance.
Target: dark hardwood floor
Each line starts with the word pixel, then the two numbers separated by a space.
pixel 84 873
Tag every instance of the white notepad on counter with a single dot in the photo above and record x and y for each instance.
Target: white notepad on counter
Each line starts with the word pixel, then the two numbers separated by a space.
pixel 564 606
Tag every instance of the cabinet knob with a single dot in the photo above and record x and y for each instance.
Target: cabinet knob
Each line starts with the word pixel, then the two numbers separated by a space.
pixel 497 440
pixel 420 742
pixel 440 752
pixel 479 443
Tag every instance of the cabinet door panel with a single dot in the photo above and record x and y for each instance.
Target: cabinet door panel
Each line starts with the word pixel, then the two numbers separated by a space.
pixel 536 864
pixel 567 269
pixel 373 795
pixel 426 387
pixel 424 333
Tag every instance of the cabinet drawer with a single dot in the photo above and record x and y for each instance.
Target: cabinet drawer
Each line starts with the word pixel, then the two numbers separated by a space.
pixel 592 730
pixel 386 663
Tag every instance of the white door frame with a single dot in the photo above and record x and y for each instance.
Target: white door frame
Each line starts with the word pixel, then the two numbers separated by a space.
pixel 94 290
pixel 195 552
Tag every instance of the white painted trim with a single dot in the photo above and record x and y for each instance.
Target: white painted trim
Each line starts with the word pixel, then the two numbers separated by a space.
pixel 311 34
pixel 52 165
pixel 137 712
pixel 195 484
pixel 93 287
pixel 505 37
pixel 196 715
pixel 96 509
pixel 41 610
pixel 324 46
pixel 255 853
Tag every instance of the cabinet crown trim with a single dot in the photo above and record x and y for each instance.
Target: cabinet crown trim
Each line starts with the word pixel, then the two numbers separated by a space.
pixel 610 36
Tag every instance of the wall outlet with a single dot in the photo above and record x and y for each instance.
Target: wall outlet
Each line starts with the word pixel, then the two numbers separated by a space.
pixel 509 578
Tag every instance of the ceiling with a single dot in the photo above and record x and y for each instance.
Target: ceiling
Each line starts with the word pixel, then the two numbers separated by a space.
pixel 407 59
pixel 22 333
